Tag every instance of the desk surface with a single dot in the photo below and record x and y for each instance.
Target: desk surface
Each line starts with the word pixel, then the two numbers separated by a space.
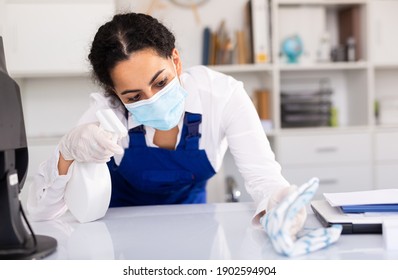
pixel 202 231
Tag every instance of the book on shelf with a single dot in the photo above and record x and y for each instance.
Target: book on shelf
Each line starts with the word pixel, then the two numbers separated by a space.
pixel 260 30
pixel 248 32
pixel 218 47
pixel 213 49
pixel 262 103
pixel 224 46
pixel 206 46
pixel 241 48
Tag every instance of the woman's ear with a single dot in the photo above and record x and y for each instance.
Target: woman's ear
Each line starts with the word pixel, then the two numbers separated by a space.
pixel 177 61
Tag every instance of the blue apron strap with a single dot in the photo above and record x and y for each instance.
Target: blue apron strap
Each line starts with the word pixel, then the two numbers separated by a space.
pixel 191 130
pixel 137 136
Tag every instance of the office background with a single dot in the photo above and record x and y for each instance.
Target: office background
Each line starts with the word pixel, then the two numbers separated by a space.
pixel 47 42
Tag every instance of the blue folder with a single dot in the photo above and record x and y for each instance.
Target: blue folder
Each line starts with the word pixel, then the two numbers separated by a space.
pixel 370 208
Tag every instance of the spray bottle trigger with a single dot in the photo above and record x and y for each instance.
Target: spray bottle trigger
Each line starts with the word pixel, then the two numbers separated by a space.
pixel 111 123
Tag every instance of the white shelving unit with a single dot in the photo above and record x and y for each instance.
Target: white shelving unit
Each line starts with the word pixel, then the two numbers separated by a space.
pixel 358 154
pixel 243 68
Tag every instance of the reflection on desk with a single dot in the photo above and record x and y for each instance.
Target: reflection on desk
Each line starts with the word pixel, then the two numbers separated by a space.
pixel 179 232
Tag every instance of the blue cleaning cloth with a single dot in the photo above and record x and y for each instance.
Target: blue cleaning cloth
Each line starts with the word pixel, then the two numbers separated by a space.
pixel 278 221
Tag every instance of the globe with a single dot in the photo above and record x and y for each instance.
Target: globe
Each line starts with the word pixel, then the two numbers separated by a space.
pixel 292 47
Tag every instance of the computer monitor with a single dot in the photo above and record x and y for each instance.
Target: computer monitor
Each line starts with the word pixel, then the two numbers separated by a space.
pixel 17 239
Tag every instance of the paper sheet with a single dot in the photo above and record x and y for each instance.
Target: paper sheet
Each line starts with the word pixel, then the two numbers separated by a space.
pixel 384 196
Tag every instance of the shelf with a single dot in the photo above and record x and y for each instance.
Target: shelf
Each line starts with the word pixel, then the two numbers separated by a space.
pixel 47 74
pixel 386 127
pixel 320 2
pixel 386 66
pixel 242 68
pixel 322 130
pixel 324 66
pixel 248 68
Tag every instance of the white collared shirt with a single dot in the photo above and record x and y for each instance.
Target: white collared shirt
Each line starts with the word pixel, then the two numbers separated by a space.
pixel 229 120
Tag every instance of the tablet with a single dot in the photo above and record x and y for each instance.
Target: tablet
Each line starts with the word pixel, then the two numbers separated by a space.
pixel 352 223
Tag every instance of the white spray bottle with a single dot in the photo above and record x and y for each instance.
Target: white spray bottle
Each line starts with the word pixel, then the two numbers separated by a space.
pixel 88 192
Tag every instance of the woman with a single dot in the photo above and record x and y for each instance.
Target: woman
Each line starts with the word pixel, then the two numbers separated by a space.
pixel 180 126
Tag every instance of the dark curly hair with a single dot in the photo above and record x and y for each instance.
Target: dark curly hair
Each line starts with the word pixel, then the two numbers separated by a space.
pixel 120 37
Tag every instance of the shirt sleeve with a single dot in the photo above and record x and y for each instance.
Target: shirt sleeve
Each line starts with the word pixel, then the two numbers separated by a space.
pixel 251 150
pixel 46 194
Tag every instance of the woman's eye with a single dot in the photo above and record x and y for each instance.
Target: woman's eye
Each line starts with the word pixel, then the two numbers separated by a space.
pixel 162 83
pixel 135 98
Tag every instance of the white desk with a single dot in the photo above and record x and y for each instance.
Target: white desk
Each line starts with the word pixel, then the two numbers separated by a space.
pixel 203 231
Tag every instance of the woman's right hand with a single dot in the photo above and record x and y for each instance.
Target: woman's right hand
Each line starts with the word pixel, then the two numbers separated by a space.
pixel 88 143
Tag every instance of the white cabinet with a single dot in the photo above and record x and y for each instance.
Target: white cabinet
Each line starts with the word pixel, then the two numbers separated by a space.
pixel 51 37
pixel 384 28
pixel 386 175
pixel 341 161
pixel 386 146
pixel 386 159
pixel 313 149
pixel 333 178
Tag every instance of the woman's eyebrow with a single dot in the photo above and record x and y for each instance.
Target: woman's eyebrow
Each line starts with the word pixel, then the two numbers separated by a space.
pixel 150 83
pixel 155 76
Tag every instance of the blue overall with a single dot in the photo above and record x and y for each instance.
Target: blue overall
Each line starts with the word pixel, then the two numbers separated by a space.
pixel 151 176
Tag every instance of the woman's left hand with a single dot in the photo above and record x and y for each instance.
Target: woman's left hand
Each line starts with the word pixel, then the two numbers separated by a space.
pixel 299 219
pixel 286 218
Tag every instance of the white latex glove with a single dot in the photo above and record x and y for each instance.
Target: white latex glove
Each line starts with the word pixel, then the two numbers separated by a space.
pixel 89 143
pixel 279 221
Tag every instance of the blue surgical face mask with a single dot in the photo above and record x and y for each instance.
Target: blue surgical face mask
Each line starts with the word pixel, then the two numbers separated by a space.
pixel 162 111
